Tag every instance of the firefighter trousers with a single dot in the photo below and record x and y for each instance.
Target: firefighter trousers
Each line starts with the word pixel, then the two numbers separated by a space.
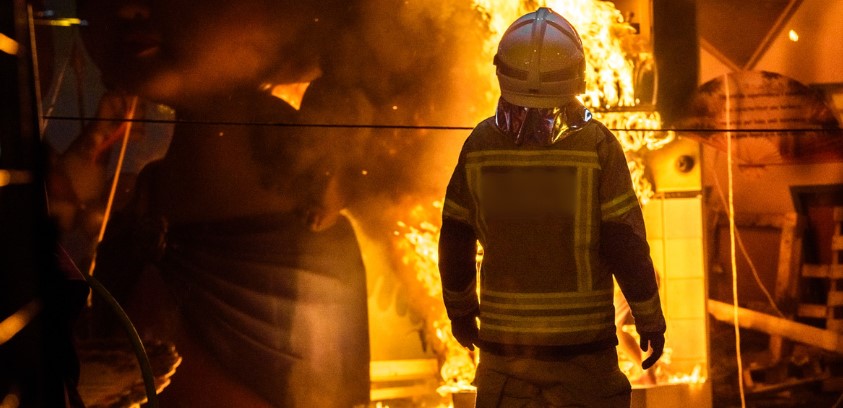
pixel 586 380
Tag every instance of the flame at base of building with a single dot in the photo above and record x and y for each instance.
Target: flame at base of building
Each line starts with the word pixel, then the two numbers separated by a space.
pixel 614 52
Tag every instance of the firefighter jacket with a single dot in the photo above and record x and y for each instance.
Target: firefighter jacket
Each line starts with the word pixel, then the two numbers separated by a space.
pixel 538 212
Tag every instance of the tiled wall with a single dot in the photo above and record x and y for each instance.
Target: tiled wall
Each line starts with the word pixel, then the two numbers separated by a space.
pixel 674 230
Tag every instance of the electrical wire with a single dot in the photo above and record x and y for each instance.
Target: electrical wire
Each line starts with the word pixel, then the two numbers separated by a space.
pixel 116 179
pixel 732 252
pixel 54 91
pixel 134 339
pixel 745 253
pixel 36 74
pixel 839 402
pixel 422 127
pixel 98 288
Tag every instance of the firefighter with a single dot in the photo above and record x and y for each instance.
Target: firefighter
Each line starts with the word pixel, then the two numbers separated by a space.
pixel 546 190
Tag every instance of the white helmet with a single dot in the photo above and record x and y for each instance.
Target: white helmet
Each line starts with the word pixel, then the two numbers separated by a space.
pixel 540 61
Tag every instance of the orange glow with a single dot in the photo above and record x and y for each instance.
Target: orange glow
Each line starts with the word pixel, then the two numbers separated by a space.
pixel 612 51
pixel 8 177
pixel 13 324
pixel 695 377
pixel 8 45
pixel 419 245
pixel 290 93
pixel 610 66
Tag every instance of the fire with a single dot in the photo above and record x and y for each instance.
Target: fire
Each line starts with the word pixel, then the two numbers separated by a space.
pixel 695 377
pixel 613 51
pixel 419 243
pixel 292 93
pixel 603 32
pixel 637 142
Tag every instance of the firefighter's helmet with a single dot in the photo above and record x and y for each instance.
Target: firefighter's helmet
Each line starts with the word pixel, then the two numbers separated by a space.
pixel 540 61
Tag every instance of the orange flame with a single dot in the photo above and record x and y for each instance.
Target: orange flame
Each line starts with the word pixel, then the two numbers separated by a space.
pixel 612 52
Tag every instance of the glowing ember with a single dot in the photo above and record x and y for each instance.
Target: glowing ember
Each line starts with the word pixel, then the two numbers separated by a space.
pixel 290 93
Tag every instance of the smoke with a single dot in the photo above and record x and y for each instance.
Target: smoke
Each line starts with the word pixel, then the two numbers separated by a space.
pixel 381 62
pixel 419 63
pixel 398 63
pixel 405 63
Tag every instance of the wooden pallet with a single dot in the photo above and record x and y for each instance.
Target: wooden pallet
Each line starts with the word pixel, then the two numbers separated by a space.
pixel 832 310
pixel 786 292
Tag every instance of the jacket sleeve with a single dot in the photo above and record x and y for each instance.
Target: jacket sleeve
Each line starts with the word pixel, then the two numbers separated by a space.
pixel 623 243
pixel 458 248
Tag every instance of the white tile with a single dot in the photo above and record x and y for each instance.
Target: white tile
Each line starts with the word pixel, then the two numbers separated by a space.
pixel 653 218
pixel 683 218
pixel 687 339
pixel 683 258
pixel 684 298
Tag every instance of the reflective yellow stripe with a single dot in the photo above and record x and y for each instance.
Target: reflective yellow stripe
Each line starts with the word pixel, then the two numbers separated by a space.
pixel 454 210
pixel 533 163
pixel 582 229
pixel 553 158
pixel 561 296
pixel 539 306
pixel 620 211
pixel 619 205
pixel 536 305
pixel 617 200
pixel 544 320
pixel 648 307
pixel 546 329
pixel 532 153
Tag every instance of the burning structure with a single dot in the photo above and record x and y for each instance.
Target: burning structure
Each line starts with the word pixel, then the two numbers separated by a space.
pixel 240 121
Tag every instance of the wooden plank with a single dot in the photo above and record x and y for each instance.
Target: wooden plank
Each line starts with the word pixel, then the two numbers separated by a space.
pixel 787 276
pixel 835 298
pixel 837 243
pixel 757 220
pixel 816 270
pixel 838 214
pixel 802 333
pixel 834 325
pixel 834 384
pixel 814 311
pixel 763 389
pixel 383 394
pixel 394 379
pixel 790 260
pixel 822 271
pixel 401 370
